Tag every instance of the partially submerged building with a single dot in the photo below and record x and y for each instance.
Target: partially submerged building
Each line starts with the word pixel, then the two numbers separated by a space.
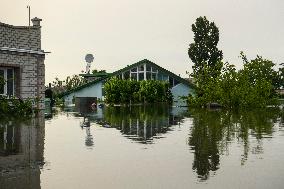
pixel 142 70
pixel 22 62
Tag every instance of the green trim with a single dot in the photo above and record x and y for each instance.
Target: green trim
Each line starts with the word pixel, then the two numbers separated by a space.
pixel 145 61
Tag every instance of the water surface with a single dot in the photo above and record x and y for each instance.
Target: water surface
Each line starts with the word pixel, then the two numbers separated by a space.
pixel 144 147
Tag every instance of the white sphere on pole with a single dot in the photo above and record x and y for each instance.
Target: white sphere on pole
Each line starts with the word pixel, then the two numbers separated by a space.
pixel 89 59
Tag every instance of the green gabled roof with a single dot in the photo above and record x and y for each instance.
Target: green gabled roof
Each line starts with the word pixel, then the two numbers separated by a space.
pixel 129 67
pixel 94 75
pixel 145 61
pixel 82 86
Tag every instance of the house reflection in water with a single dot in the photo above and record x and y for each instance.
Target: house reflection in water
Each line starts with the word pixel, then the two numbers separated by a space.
pixel 86 124
pixel 138 123
pixel 21 153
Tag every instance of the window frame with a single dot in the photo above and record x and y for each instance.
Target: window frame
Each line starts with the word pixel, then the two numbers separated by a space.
pixel 5 69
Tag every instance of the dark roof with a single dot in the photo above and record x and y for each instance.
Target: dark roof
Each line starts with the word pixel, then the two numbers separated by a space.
pixel 178 78
pixel 94 75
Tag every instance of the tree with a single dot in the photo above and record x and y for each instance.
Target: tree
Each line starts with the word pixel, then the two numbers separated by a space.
pixel 253 86
pixel 280 77
pixel 204 52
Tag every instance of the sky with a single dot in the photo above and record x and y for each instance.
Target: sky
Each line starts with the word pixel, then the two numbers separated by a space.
pixel 121 32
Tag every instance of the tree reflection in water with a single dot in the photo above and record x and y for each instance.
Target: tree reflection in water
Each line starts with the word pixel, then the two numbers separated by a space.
pixel 213 131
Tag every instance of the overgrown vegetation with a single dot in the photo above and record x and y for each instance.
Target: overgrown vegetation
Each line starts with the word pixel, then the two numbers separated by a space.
pixel 221 83
pixel 15 107
pixel 12 106
pixel 131 91
pixel 59 86
pixel 70 82
pixel 98 71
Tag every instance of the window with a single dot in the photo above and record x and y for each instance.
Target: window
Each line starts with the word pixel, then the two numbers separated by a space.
pixel 148 75
pixel 141 76
pixel 126 75
pixel 10 82
pixel 148 68
pixel 134 76
pixel 160 76
pixel 134 69
pixel 7 75
pixel 171 81
pixel 154 69
pixel 2 85
pixel 154 76
pixel 141 67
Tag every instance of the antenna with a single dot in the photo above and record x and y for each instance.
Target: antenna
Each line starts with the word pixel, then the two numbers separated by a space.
pixel 29 7
pixel 89 59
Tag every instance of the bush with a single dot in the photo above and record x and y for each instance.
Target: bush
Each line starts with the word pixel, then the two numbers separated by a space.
pixel 119 91
pixel 15 107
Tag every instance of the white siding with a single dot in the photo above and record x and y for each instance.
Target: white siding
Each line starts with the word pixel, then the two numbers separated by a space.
pixel 94 90
pixel 178 91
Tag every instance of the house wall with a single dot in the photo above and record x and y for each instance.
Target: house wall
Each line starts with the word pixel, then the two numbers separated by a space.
pixel 178 91
pixel 20 37
pixel 29 69
pixel 96 91
pixel 91 91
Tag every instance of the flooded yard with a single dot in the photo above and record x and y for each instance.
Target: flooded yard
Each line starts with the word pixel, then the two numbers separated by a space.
pixel 143 147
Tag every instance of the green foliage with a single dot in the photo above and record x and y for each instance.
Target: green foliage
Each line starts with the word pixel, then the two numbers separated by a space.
pixel 71 82
pixel 131 91
pixel 204 52
pixel 15 107
pixel 252 86
pixel 10 106
pixel 98 71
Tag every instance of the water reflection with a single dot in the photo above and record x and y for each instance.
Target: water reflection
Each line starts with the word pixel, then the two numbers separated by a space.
pixel 213 132
pixel 140 123
pixel 89 138
pixel 21 152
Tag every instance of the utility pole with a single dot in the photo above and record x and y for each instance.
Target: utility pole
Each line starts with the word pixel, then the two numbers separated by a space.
pixel 29 7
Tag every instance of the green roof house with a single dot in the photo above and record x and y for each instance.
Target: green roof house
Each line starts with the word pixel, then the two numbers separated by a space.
pixel 142 70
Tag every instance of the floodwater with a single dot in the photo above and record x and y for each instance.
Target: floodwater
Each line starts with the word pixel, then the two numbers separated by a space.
pixel 144 147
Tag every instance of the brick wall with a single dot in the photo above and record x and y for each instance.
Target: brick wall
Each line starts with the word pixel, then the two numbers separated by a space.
pixel 20 37
pixel 29 68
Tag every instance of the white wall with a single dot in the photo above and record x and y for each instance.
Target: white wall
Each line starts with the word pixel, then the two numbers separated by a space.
pixel 94 90
pixel 179 91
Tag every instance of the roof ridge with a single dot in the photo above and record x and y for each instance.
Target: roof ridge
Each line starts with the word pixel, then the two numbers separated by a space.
pixel 130 67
